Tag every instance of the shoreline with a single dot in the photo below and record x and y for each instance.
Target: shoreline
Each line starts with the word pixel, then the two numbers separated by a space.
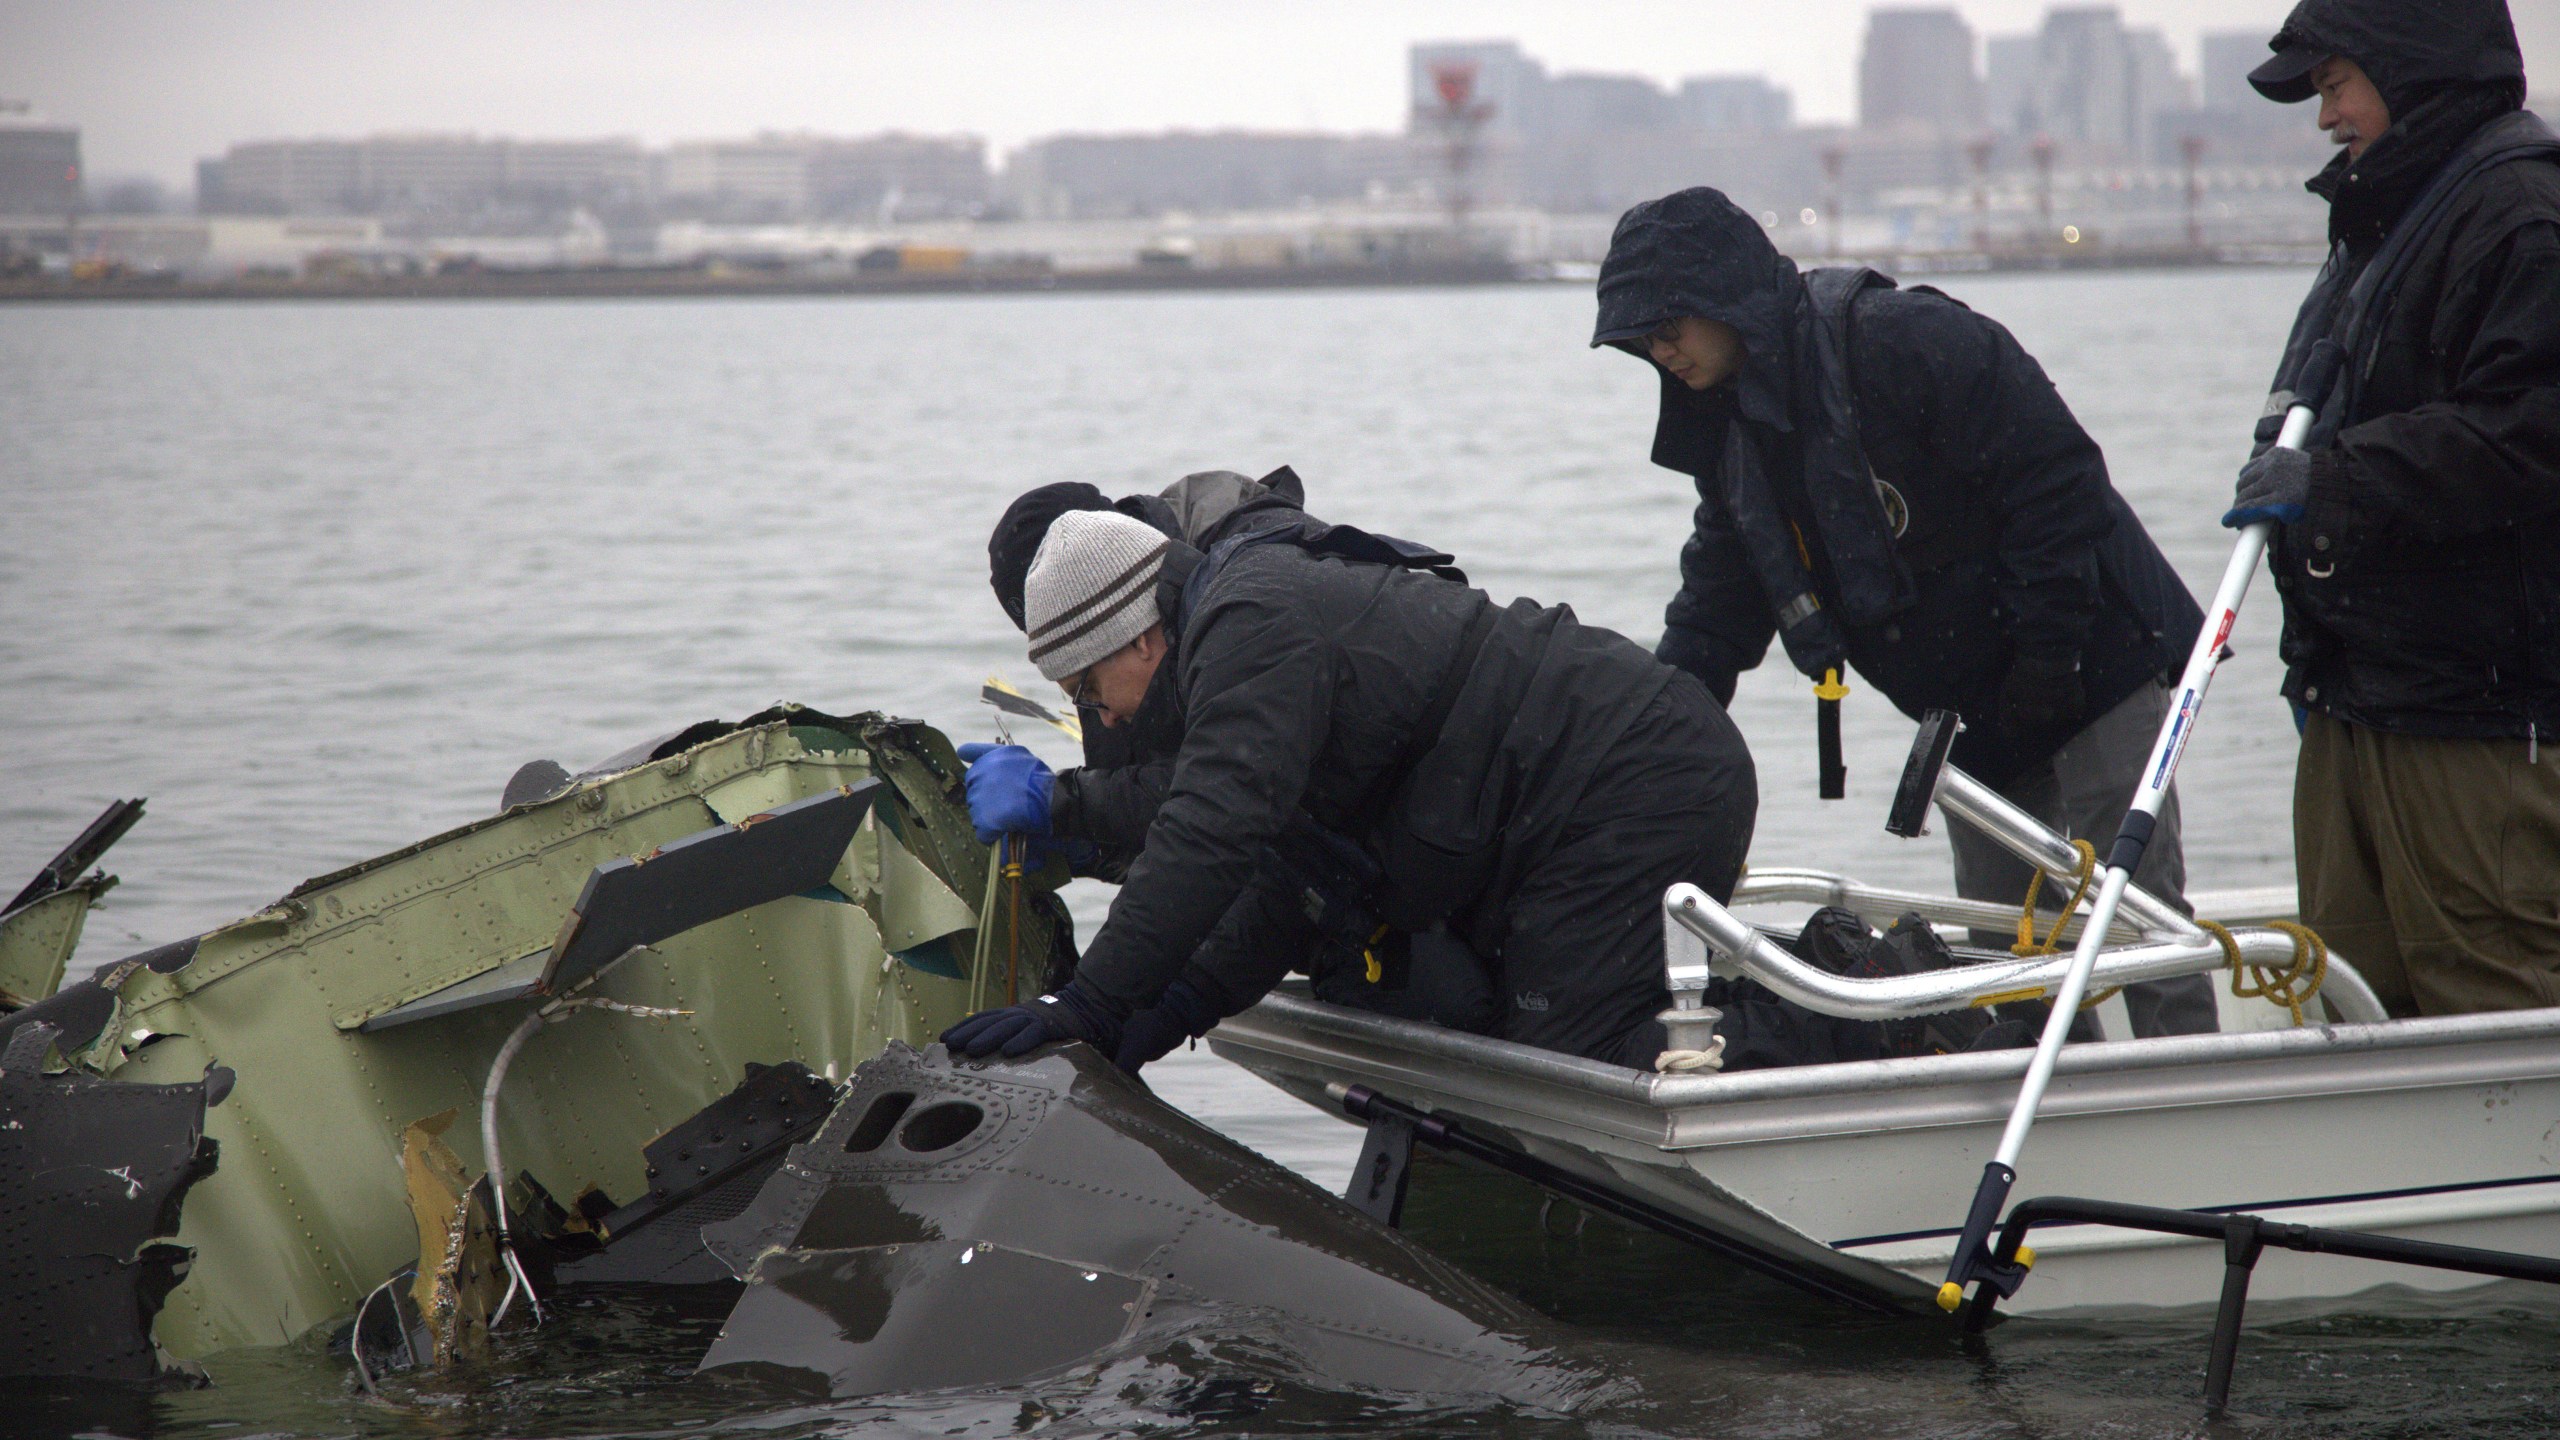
pixel 706 282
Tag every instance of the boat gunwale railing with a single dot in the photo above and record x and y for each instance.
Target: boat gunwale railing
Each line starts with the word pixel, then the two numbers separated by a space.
pixel 1597 1079
pixel 1703 940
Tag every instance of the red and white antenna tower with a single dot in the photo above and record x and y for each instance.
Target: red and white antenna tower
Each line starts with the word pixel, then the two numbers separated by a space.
pixel 1460 119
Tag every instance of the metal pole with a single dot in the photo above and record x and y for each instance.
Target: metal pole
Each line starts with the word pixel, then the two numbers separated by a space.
pixel 1972 1252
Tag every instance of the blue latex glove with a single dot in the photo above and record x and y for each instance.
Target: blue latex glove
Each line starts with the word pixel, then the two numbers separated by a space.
pixel 1017 1030
pixel 1179 1014
pixel 1008 791
pixel 2274 486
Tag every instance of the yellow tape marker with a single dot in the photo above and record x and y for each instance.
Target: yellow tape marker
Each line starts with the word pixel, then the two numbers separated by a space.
pixel 2005 997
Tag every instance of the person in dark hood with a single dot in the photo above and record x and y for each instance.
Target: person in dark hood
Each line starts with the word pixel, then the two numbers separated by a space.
pixel 1888 483
pixel 2417 548
pixel 1529 783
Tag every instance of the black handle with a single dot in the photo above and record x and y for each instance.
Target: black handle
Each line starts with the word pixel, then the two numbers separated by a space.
pixel 1835 772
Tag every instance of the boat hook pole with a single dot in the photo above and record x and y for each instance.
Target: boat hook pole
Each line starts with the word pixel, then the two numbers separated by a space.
pixel 1973 1260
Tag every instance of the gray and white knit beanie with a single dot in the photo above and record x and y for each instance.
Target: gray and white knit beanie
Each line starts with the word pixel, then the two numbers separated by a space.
pixel 1091 590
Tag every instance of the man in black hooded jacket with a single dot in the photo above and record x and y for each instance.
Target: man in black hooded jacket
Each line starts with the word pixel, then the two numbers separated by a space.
pixel 2418 548
pixel 1888 482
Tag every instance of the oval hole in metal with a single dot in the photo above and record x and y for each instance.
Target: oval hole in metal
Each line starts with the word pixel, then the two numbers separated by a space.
pixel 878 1121
pixel 939 1127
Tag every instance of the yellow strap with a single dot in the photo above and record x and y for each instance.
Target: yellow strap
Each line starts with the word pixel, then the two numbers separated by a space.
pixel 2297 982
pixel 2028 945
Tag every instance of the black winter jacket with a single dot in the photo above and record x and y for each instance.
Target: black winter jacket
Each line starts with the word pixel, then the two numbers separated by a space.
pixel 2422 585
pixel 1982 528
pixel 1302 681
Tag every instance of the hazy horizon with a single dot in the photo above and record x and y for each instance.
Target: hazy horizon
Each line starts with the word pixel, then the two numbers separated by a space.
pixel 156 87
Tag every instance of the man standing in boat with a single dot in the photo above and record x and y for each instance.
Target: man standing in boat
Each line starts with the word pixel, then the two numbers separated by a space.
pixel 1532 783
pixel 2418 541
pixel 1888 483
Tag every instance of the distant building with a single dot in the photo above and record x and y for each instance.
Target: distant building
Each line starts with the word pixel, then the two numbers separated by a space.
pixel 2158 83
pixel 417 174
pixel 2009 69
pixel 1581 104
pixel 2085 81
pixel 1100 176
pixel 1509 84
pixel 39 165
pixel 283 177
pixel 764 178
pixel 886 177
pixel 2096 88
pixel 453 178
pixel 1917 70
pixel 1733 105
pixel 429 172
pixel 577 171
pixel 2229 56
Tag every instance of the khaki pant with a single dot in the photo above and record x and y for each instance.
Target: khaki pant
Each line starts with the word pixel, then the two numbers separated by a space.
pixel 2432 865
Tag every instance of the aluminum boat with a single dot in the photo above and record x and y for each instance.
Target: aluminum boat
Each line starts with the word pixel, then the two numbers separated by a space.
pixel 2441 1129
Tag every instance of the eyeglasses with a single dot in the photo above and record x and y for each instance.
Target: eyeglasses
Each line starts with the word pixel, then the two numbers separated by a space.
pixel 1666 333
pixel 1081 694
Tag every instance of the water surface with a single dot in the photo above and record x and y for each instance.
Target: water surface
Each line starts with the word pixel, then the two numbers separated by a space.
pixel 317 577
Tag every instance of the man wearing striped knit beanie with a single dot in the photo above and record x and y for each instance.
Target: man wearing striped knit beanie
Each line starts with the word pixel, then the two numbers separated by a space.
pixel 1528 782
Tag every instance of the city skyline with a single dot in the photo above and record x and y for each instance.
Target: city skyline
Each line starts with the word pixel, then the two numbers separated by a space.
pixel 151 100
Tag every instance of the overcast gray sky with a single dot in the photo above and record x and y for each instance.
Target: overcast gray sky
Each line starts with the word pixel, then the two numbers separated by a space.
pixel 156 84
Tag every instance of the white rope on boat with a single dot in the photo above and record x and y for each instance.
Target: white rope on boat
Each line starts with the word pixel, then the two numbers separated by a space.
pixel 1681 1062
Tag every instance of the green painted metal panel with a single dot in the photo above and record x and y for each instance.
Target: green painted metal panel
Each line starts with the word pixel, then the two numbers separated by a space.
pixel 307 1211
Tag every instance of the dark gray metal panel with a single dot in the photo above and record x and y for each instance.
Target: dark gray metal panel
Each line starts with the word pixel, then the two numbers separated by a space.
pixel 926 1316
pixel 704 876
pixel 1063 1156
pixel 84 851
pixel 92 1173
pixel 705 1170
pixel 512 981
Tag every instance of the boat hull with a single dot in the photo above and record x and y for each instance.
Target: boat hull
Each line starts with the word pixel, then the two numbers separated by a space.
pixel 2445 1130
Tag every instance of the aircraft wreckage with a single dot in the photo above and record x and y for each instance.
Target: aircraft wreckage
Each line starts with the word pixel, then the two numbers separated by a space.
pixel 627 996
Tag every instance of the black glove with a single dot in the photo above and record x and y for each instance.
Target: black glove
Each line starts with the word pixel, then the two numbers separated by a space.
pixel 2274 486
pixel 1179 1014
pixel 2040 696
pixel 1071 1013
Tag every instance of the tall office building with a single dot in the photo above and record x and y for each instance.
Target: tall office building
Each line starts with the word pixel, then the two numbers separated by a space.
pixel 39 164
pixel 1733 105
pixel 2009 84
pixel 2229 56
pixel 1917 70
pixel 2085 80
pixel 2158 84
